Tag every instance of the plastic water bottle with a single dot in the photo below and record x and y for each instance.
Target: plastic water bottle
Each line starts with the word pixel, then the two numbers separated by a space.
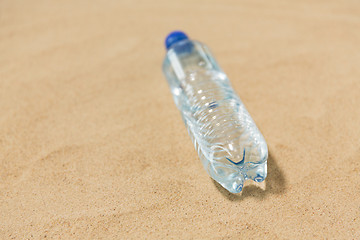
pixel 229 144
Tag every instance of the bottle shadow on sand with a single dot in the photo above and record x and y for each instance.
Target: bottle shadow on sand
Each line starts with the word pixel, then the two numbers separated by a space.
pixel 275 184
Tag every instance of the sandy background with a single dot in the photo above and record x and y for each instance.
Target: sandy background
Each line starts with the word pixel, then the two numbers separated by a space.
pixel 92 145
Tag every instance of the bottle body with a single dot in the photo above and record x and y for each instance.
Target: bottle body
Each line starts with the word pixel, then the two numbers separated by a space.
pixel 229 144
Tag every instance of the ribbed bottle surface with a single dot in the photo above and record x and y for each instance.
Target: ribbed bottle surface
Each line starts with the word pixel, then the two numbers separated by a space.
pixel 229 144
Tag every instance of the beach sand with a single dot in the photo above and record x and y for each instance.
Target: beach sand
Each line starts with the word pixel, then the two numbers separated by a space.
pixel 92 145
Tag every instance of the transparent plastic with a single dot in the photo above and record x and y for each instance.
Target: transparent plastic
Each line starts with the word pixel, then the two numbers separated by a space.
pixel 229 144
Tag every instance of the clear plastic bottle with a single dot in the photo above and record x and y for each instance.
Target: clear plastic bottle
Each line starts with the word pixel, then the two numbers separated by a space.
pixel 229 144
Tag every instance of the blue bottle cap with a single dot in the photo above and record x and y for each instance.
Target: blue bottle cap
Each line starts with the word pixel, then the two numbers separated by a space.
pixel 174 37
